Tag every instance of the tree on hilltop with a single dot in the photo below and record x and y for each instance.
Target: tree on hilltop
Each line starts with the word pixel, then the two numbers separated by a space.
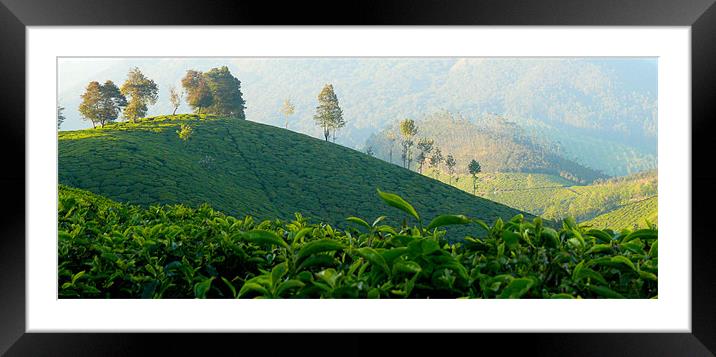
pixel 101 103
pixel 329 115
pixel 435 160
pixel 175 97
pixel 474 169
pixel 226 93
pixel 198 94
pixel 450 164
pixel 425 146
pixel 390 135
pixel 287 110
pixel 408 130
pixel 142 92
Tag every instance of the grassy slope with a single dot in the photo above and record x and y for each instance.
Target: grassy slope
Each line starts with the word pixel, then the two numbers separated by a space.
pixel 253 169
pixel 629 216
pixel 554 197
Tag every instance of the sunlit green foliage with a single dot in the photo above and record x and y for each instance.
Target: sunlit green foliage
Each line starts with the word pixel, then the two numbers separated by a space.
pixel 112 250
pixel 636 214
pixel 184 132
pixel 241 167
pixel 553 197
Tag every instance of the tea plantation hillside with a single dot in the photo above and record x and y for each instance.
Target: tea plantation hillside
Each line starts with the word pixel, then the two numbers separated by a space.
pixel 245 168
pixel 553 197
pixel 632 215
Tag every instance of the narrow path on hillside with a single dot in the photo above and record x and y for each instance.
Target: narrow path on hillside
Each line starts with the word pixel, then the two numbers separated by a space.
pixel 249 166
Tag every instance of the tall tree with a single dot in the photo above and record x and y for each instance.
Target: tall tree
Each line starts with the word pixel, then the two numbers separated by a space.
pixel 329 115
pixel 198 94
pixel 474 169
pixel 425 146
pixel 91 105
pixel 141 91
pixel 113 101
pixel 287 110
pixel 175 97
pixel 435 160
pixel 60 116
pixel 226 92
pixel 101 103
pixel 450 164
pixel 390 135
pixel 408 130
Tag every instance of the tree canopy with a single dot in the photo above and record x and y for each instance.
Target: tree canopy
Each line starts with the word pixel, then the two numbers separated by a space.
pixel 408 130
pixel 198 93
pixel 329 115
pixel 141 91
pixel 216 91
pixel 474 169
pixel 226 93
pixel 287 110
pixel 102 103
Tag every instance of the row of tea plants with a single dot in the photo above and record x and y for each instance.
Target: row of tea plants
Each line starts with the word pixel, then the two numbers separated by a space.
pixel 113 250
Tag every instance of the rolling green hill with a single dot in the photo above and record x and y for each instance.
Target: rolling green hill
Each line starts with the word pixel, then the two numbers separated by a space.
pixel 635 214
pixel 553 197
pixel 246 168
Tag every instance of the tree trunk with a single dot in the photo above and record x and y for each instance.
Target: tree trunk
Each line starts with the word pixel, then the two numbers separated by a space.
pixel 175 111
pixel 391 155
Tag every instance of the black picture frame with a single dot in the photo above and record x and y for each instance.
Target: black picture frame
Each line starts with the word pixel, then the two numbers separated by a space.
pixel 16 15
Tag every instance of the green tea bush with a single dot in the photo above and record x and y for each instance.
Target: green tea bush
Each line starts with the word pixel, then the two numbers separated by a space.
pixel 112 250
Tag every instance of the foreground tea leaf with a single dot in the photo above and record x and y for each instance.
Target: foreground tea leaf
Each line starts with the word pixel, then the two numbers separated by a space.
pixel 374 257
pixel 358 221
pixel 317 246
pixel 605 292
pixel 516 288
pixel 398 202
pixel 265 238
pixel 200 289
pixel 448 219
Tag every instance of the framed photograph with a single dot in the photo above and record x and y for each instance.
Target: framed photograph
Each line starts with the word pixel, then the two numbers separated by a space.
pixel 454 168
